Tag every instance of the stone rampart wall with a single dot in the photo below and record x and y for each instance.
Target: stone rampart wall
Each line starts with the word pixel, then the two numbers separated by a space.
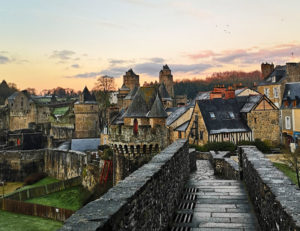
pixel 145 200
pixel 274 196
pixel 18 164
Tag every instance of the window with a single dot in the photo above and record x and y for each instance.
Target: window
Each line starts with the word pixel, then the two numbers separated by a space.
pixel 135 127
pixel 254 120
pixel 288 122
pixel 212 115
pixel 267 92
pixel 273 79
pixel 201 135
pixel 276 92
pixel 294 103
pixel 231 115
pixel 179 134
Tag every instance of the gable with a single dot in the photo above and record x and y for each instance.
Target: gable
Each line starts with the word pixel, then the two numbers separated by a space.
pixel 264 105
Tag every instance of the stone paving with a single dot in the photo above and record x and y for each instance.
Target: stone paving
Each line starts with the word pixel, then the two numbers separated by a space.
pixel 213 204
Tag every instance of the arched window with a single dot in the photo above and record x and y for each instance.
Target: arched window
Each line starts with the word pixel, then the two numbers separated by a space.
pixel 144 148
pixel 150 148
pixel 138 149
pixel 126 149
pixel 156 149
pixel 132 149
pixel 135 127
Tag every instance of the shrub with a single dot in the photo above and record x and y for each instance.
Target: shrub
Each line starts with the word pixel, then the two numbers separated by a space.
pixel 33 178
pixel 263 146
pixel 216 146
pixel 107 154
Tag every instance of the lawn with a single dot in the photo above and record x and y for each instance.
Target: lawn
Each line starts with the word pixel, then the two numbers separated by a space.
pixel 71 198
pixel 287 171
pixel 18 222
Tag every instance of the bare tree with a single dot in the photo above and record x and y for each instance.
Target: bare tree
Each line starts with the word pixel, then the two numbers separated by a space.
pixel 31 91
pixel 293 160
pixel 105 83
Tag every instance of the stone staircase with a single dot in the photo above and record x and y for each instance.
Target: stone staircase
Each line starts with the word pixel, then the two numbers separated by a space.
pixel 211 204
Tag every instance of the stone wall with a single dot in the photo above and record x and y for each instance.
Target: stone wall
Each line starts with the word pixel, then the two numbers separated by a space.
pixel 275 198
pixel 60 164
pixel 17 165
pixel 264 125
pixel 224 167
pixel 64 164
pixel 145 200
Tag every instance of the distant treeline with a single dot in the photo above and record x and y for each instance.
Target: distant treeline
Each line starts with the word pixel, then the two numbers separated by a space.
pixel 191 87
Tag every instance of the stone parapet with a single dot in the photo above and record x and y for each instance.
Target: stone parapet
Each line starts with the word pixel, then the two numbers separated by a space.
pixel 145 200
pixel 274 196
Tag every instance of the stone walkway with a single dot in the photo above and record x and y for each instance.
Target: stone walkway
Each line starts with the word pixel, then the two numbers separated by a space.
pixel 212 204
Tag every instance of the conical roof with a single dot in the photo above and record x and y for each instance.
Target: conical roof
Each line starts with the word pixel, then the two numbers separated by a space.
pixel 87 95
pixel 132 93
pixel 157 109
pixel 138 107
pixel 163 92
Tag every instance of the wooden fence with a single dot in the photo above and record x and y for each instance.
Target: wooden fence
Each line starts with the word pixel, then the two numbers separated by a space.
pixel 31 209
pixel 42 190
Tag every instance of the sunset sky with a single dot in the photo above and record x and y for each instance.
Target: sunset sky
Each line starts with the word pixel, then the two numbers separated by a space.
pixel 69 43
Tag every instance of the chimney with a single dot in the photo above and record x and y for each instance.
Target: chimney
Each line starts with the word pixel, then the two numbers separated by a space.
pixel 266 69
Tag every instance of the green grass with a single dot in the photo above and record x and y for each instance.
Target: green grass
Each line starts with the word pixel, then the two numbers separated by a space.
pixel 19 222
pixel 44 181
pixel 72 198
pixel 287 171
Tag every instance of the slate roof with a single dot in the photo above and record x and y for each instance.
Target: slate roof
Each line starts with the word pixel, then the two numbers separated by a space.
pixel 124 88
pixel 183 127
pixel 157 109
pixel 171 109
pixel 138 107
pixel 119 119
pixel 222 122
pixel 251 102
pixel 83 145
pixel 87 97
pixel 163 92
pixel 176 114
pixel 279 73
pixel 132 93
pixel 291 93
pixel 203 95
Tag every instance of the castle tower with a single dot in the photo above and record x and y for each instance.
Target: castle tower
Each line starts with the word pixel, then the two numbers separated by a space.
pixel 266 69
pixel 86 116
pixel 131 80
pixel 166 77
pixel 293 72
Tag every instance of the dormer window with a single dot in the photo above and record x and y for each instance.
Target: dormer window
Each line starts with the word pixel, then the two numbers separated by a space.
pixel 212 115
pixel 273 79
pixel 289 92
pixel 286 103
pixel 231 115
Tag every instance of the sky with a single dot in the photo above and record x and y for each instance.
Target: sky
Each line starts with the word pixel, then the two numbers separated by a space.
pixel 69 43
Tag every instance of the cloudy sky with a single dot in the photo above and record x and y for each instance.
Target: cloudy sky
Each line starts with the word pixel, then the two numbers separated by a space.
pixel 69 43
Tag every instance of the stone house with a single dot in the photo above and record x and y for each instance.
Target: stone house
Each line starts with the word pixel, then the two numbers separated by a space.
pixel 261 116
pixel 138 132
pixel 274 80
pixel 290 113
pixel 222 116
pixel 217 120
